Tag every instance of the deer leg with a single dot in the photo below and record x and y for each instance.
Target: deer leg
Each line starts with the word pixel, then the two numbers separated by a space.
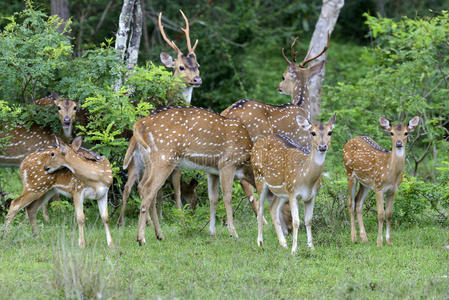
pixel 132 177
pixel 276 219
pixel 80 219
pixel 380 216
pixel 17 204
pixel 388 215
pixel 159 204
pixel 359 200
pixel 249 192
pixel 176 182
pixel 33 208
pixel 352 185
pixel 308 215
pixel 262 188
pixel 227 178
pixel 295 218
pixel 103 208
pixel 158 175
pixel 212 190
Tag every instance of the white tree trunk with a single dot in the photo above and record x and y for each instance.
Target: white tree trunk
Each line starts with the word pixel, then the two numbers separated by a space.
pixel 130 20
pixel 326 23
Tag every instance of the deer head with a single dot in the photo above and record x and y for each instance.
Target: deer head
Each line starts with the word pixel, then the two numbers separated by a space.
pixel 321 133
pixel 399 132
pixel 296 78
pixel 66 112
pixel 185 67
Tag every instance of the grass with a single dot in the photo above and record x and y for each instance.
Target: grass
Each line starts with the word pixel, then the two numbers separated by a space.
pixel 201 266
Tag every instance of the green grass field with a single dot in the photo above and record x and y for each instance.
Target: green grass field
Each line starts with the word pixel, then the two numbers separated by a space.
pixel 202 266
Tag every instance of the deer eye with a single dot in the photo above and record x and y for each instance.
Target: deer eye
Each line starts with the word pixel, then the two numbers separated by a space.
pixel 52 154
pixel 75 108
pixel 313 133
pixel 181 68
pixel 391 133
pixel 406 133
pixel 283 77
pixel 329 133
pixel 59 107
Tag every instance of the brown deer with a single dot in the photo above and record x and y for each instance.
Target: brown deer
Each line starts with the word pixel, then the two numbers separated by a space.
pixel 186 68
pixel 377 169
pixel 261 119
pixel 192 138
pixel 68 170
pixel 24 141
pixel 290 171
pixel 67 110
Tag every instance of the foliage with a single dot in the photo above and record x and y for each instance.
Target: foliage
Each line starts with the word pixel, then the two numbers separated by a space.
pixel 31 54
pixel 408 77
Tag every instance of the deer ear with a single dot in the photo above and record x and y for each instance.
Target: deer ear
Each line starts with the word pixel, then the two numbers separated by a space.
pixel 413 123
pixel 167 60
pixel 303 123
pixel 314 70
pixel 76 143
pixel 384 123
pixel 332 120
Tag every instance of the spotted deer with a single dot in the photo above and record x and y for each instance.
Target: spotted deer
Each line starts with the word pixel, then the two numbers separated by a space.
pixel 23 141
pixel 187 69
pixel 68 170
pixel 377 169
pixel 262 119
pixel 67 110
pixel 198 139
pixel 290 171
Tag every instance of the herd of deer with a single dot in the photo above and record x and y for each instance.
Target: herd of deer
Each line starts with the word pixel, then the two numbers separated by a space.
pixel 273 148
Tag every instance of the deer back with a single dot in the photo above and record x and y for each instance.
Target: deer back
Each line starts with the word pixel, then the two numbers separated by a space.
pixel 366 160
pixel 196 134
pixel 23 142
pixel 261 119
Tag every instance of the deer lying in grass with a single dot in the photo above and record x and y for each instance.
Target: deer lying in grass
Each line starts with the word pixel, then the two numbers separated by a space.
pixel 261 119
pixel 192 138
pixel 187 69
pixel 378 169
pixel 290 171
pixel 68 170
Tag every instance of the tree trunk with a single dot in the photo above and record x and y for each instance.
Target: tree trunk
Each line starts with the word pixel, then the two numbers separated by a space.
pixel 130 20
pixel 61 9
pixel 326 23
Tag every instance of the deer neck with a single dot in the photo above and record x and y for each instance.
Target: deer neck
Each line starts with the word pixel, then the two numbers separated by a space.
pixel 300 97
pixel 396 161
pixel 313 166
pixel 90 173
pixel 186 94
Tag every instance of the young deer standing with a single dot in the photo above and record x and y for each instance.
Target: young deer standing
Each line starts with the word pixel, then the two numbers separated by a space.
pixel 187 69
pixel 378 169
pixel 192 138
pixel 68 170
pixel 290 171
pixel 261 119
pixel 24 141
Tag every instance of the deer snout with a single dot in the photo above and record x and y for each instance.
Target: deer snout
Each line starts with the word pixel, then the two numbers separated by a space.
pixel 66 121
pixel 197 80
pixel 399 144
pixel 322 148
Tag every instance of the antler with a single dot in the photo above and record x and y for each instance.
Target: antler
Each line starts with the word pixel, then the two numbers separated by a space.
pixel 292 48
pixel 187 33
pixel 161 29
pixel 305 61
